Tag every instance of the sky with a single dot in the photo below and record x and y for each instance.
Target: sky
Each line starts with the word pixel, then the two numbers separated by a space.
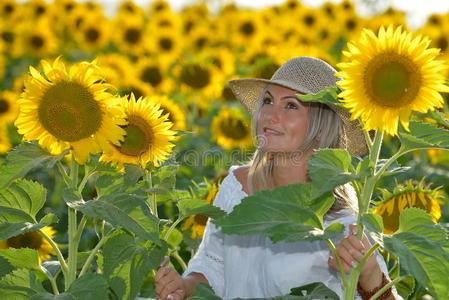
pixel 417 10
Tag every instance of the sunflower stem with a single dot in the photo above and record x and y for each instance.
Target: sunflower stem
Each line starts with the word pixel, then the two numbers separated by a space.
pixel 84 180
pixel 386 287
pixel 52 280
pixel 55 247
pixel 72 230
pixel 179 260
pixel 172 227
pixel 152 196
pixel 92 253
pixel 368 140
pixel 63 173
pixel 370 183
pixel 339 263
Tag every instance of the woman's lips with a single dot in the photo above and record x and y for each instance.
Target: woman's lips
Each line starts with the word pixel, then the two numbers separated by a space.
pixel 270 131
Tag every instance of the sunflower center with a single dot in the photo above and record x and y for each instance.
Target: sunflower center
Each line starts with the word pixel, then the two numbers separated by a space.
pixel 37 41
pixel 8 37
pixel 133 35
pixel 166 44
pixel 28 240
pixel 4 106
pixel 69 112
pixel 138 138
pixel 442 43
pixel 247 28
pixel 39 10
pixel 351 24
pixel 92 35
pixel 152 75
pixel 195 76
pixel 392 80
pixel 309 20
pixel 234 129
pixel 8 9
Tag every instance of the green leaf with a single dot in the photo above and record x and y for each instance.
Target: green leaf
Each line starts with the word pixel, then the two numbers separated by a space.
pixel 89 287
pixel 49 219
pixel 175 237
pixel 420 246
pixel 316 290
pixel 132 174
pixel 326 96
pixel 125 265
pixel 287 213
pixel 373 222
pixel 24 258
pixel 203 292
pixel 26 195
pixel 47 296
pixel 107 184
pixel 188 207
pixel 424 135
pixel 405 287
pixel 120 209
pixel 329 168
pixel 24 158
pixel 19 284
pixel 8 230
pixel 53 267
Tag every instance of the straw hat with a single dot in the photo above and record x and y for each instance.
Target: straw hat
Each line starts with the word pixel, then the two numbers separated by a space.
pixel 306 75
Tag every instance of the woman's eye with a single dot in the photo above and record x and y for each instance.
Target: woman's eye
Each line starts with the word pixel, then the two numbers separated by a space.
pixel 292 105
pixel 266 100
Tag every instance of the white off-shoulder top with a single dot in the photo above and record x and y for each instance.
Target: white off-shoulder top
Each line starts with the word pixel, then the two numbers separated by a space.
pixel 254 267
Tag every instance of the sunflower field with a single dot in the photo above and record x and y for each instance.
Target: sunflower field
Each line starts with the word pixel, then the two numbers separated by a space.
pixel 117 130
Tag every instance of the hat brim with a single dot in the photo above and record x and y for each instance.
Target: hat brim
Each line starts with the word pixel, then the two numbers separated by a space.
pixel 249 90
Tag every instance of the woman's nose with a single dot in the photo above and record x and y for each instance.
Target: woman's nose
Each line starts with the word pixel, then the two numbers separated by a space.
pixel 274 115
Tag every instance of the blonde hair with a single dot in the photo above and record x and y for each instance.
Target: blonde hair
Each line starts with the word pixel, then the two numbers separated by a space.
pixel 323 132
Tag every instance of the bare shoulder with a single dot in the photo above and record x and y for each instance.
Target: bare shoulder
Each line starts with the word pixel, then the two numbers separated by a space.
pixel 241 173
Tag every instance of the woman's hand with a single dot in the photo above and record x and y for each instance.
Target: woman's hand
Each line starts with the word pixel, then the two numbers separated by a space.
pixel 169 284
pixel 351 250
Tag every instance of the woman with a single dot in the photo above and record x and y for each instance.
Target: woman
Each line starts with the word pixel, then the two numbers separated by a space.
pixel 288 131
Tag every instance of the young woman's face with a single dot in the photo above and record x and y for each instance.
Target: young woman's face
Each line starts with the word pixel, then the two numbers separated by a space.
pixel 283 120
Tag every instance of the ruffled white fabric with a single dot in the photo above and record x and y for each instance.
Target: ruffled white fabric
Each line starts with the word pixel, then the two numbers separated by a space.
pixel 254 267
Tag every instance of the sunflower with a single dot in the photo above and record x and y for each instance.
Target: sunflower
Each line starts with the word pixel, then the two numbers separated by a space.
pixel 9 9
pixel 166 44
pixel 389 76
pixel 36 9
pixel 148 135
pixel 5 143
pixel 130 36
pixel 36 39
pixel 159 6
pixel 174 111
pixel 199 75
pixel 66 110
pixel 114 67
pixel 129 9
pixel 410 194
pixel 197 223
pixel 93 33
pixel 136 87
pixel 230 129
pixel 8 106
pixel 8 35
pixel 32 240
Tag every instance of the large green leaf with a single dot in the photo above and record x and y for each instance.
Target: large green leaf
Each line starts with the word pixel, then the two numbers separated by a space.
pixel 203 292
pixel 326 96
pixel 124 210
pixel 21 258
pixel 20 284
pixel 420 246
pixel 329 168
pixel 126 264
pixel 188 207
pixel 24 158
pixel 287 213
pixel 89 287
pixel 8 230
pixel 316 290
pixel 25 195
pixel 424 135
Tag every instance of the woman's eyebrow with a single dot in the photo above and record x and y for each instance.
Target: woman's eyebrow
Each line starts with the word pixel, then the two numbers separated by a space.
pixel 285 97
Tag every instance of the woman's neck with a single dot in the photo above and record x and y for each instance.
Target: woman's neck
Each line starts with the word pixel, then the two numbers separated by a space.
pixel 290 170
